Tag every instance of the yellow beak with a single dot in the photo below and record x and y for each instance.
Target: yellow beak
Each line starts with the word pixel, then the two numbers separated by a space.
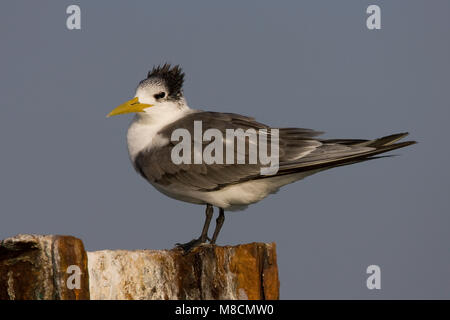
pixel 132 105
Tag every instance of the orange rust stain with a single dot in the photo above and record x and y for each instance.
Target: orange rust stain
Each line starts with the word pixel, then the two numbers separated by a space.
pixel 70 251
pixel 246 266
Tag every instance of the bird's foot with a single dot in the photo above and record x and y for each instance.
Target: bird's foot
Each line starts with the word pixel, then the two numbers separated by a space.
pixel 188 246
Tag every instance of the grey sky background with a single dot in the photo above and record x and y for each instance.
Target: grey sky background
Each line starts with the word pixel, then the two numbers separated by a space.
pixel 314 64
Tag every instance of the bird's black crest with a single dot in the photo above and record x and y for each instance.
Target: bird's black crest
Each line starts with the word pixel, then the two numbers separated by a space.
pixel 173 78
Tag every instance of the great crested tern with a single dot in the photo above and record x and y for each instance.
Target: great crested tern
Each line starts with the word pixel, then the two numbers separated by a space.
pixel 161 108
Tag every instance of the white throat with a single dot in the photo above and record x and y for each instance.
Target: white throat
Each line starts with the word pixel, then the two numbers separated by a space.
pixel 143 131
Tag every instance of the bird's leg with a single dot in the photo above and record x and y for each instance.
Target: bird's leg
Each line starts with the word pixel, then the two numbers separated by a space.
pixel 219 222
pixel 188 246
pixel 209 213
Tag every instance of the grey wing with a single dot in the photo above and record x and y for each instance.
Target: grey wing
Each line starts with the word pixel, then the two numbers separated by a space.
pixel 299 150
pixel 339 152
pixel 156 165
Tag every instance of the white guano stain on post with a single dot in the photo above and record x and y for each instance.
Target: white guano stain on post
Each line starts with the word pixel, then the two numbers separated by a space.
pixel 10 289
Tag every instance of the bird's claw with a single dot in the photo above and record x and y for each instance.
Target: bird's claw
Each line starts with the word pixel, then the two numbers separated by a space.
pixel 188 246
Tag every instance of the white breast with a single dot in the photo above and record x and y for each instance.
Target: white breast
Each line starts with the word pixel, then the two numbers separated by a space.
pixel 143 131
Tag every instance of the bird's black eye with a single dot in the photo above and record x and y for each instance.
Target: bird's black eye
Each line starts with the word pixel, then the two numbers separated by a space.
pixel 160 95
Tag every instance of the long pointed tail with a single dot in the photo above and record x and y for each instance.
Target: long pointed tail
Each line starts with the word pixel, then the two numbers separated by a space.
pixel 358 151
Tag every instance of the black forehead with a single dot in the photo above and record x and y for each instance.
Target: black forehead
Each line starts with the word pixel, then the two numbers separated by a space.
pixel 172 77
